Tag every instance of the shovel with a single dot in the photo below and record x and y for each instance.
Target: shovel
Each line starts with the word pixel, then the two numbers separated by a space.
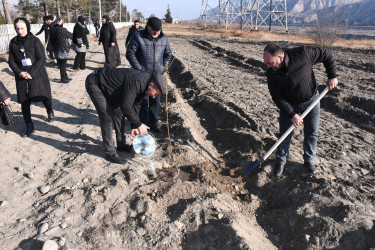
pixel 256 164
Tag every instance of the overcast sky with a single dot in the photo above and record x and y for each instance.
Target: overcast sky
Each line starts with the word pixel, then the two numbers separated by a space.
pixel 180 9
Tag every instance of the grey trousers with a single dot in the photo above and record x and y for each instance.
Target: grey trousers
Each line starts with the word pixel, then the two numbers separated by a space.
pixel 110 115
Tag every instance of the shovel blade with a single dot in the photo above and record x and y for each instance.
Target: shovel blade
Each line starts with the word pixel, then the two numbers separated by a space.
pixel 251 168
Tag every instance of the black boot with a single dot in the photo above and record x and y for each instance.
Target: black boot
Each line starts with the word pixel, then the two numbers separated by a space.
pixel 51 116
pixel 29 130
pixel 122 146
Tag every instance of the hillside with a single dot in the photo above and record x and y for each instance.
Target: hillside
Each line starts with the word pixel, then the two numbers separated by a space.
pixel 350 12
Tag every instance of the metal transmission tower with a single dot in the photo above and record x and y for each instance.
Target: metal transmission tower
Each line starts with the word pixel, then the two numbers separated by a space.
pixel 244 13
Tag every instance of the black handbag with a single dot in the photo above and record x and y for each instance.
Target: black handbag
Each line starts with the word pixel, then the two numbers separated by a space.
pixel 7 117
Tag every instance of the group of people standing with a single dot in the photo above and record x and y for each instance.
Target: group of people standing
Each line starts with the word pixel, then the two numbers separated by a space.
pixel 120 93
pixel 129 93
pixel 27 58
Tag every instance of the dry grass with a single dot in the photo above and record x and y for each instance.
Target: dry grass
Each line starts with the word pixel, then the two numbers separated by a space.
pixel 260 35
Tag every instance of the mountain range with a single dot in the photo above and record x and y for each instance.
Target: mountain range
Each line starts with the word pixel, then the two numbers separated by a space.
pixel 348 12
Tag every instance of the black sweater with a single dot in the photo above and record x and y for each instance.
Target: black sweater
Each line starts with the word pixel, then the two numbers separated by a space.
pixel 126 87
pixel 295 82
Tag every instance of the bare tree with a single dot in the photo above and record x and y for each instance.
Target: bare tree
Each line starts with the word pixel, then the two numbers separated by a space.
pixel 6 12
pixel 327 31
pixel 58 10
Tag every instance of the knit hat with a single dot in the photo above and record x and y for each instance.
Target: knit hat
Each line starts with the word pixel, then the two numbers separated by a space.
pixel 154 23
pixel 59 21
pixel 159 80
pixel 82 20
pixel 48 18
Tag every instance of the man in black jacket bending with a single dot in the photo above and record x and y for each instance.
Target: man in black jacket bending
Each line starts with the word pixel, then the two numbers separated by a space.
pixel 293 87
pixel 149 51
pixel 117 93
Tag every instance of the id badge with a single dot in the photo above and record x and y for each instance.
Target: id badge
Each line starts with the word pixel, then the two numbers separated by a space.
pixel 26 62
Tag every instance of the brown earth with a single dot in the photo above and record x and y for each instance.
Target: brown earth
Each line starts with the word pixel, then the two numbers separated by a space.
pixel 221 117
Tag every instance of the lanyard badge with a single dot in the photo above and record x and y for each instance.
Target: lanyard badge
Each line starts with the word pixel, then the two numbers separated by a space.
pixel 26 61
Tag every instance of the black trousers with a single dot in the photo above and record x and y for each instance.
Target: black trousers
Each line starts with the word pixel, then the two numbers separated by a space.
pixel 26 109
pixel 110 115
pixel 62 66
pixel 80 60
pixel 149 113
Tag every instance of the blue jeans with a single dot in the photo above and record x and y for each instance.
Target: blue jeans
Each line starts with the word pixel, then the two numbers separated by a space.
pixel 149 113
pixel 310 129
pixel 110 115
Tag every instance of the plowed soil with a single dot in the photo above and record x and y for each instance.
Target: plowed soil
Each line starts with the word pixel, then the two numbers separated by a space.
pixel 221 117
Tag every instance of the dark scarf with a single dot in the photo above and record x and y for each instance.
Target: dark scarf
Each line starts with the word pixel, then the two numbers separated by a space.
pixel 21 40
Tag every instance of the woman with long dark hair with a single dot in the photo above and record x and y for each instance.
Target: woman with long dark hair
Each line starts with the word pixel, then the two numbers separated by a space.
pixel 27 58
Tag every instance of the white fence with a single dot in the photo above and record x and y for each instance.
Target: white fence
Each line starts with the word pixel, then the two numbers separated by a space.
pixel 7 32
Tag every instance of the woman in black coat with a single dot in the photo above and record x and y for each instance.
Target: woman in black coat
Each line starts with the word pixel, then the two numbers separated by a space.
pixel 109 41
pixel 80 43
pixel 27 59
pixel 61 47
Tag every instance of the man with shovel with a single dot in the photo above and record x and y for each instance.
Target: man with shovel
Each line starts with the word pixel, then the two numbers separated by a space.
pixel 293 87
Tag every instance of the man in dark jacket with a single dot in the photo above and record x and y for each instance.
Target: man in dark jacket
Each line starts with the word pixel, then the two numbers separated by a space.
pixel 117 93
pixel 149 51
pixel 293 88
pixel 97 27
pixel 47 27
pixel 109 41
pixel 132 30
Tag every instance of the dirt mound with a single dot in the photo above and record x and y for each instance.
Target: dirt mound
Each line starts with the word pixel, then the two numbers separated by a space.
pixel 57 185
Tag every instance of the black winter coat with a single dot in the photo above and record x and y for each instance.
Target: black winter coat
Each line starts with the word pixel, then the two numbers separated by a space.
pixel 108 36
pixel 126 87
pixel 79 32
pixel 131 31
pixel 59 40
pixel 295 82
pixel 147 54
pixel 46 29
pixel 38 88
pixel 4 93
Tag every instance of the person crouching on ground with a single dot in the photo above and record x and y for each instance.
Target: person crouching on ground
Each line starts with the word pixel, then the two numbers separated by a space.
pixel 117 93
pixel 293 87
pixel 26 59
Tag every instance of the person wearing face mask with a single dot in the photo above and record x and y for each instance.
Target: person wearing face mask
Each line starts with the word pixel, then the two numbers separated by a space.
pixel 27 59
pixel 117 93
pixel 80 44
pixel 149 51
pixel 109 41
